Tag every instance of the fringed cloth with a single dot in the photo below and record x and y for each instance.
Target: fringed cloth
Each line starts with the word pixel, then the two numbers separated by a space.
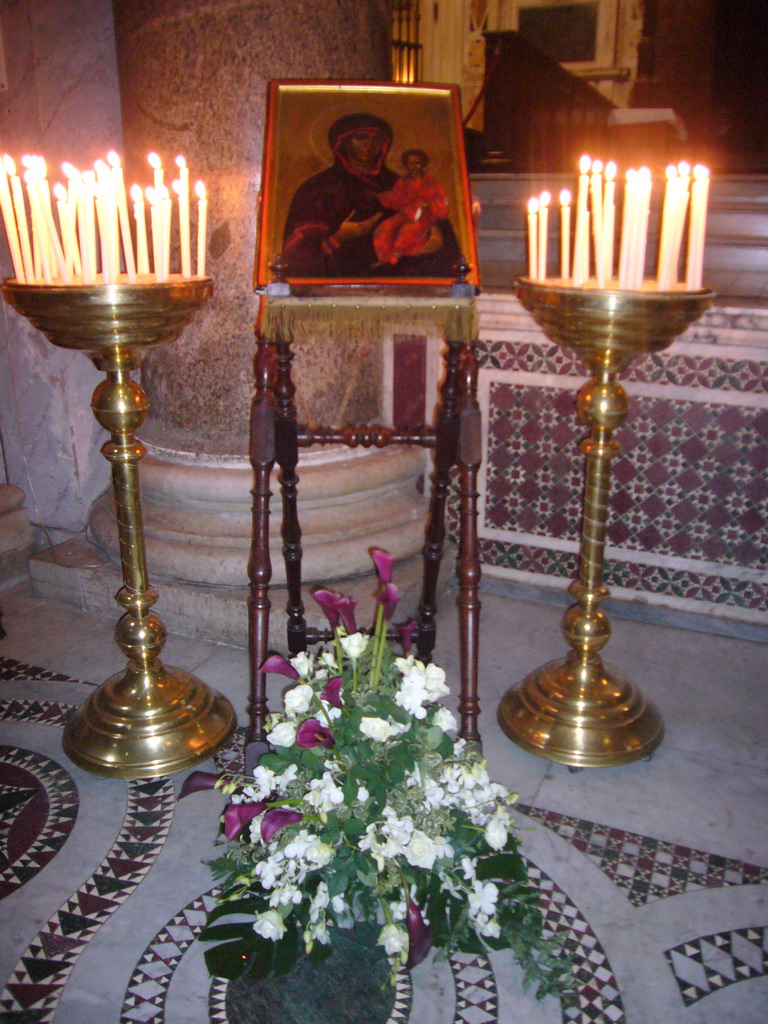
pixel 361 318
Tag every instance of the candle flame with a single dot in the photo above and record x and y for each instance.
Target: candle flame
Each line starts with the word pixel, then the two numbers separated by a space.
pixel 60 192
pixel 200 190
pixel 597 166
pixel 176 186
pixel 113 159
pixel 163 193
pixel 565 197
pixel 610 170
pixel 544 199
pixel 684 169
pixel 533 205
pixel 181 161
pixel 136 194
pixel 154 161
pixel 644 174
pixel 70 171
pixel 151 195
pixel 671 172
pixel 584 164
pixel 631 175
pixel 9 164
pixel 89 178
pixel 700 172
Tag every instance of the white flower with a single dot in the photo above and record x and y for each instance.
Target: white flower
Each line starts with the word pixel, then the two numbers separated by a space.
pixel 328 660
pixel 303 664
pixel 434 795
pixel 263 783
pixel 354 644
pixel 339 904
pixel 482 900
pixel 362 795
pixel 421 851
pixel 468 867
pixel 324 794
pixel 270 925
pixel 268 871
pixel 377 728
pixel 490 928
pixel 319 903
pixel 496 831
pixel 412 693
pixel 318 854
pixel 445 719
pixel 284 895
pixel 298 699
pixel 434 681
pixel 393 939
pixel 283 781
pixel 283 735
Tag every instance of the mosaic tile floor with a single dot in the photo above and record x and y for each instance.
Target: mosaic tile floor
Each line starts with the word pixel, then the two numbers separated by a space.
pixel 655 873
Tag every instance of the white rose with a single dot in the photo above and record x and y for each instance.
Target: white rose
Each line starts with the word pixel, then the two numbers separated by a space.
pixel 445 719
pixel 283 735
pixel 393 939
pixel 298 699
pixel 303 664
pixel 496 833
pixel 354 644
pixel 434 682
pixel 270 925
pixel 377 728
pixel 318 854
pixel 412 694
pixel 421 851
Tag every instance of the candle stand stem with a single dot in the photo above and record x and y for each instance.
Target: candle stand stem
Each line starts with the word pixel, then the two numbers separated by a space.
pixel 150 719
pixel 578 710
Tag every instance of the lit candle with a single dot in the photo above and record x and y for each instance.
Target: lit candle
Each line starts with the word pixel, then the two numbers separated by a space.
pixel 183 193
pixel 66 227
pixel 142 252
pixel 596 195
pixel 39 230
pixel 565 234
pixel 202 224
pixel 153 198
pixel 628 226
pixel 21 219
pixel 609 218
pixel 697 228
pixel 644 185
pixel 10 224
pixel 665 232
pixel 166 208
pixel 87 221
pixel 118 182
pixel 544 199
pixel 533 218
pixel 157 167
pixel 581 234
pixel 74 184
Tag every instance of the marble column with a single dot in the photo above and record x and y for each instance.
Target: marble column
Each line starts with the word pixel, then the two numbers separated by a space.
pixel 193 78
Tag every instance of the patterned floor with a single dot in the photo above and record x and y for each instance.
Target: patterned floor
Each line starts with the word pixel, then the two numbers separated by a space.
pixel 103 893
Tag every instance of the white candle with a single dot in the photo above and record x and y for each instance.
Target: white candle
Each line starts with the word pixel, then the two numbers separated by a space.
pixel 596 195
pixel 74 184
pixel 142 252
pixel 565 235
pixel 533 238
pixel 87 218
pixel 21 219
pixel 644 184
pixel 581 235
pixel 184 240
pixel 118 182
pixel 202 225
pixel 665 232
pixel 609 218
pixel 153 198
pixel 157 167
pixel 628 226
pixel 166 209
pixel 10 224
pixel 544 199
pixel 39 229
pixel 697 228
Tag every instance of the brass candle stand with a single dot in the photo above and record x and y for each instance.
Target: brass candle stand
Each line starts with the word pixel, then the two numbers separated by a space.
pixel 577 710
pixel 149 719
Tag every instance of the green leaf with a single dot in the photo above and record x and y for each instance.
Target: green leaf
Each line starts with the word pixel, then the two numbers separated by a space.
pixel 252 905
pixel 502 866
pixel 260 964
pixel 220 932
pixel 320 953
pixel 274 761
pixel 229 959
pixel 286 952
pixel 353 828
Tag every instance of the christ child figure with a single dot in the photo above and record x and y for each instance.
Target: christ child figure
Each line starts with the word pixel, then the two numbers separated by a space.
pixel 420 201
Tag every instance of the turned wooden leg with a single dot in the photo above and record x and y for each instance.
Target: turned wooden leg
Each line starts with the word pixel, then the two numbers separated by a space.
pixel 446 444
pixel 262 455
pixel 469 457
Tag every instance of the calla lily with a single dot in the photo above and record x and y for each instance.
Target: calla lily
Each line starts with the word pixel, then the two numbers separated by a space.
pixel 332 692
pixel 312 734
pixel 280 666
pixel 419 936
pixel 337 608
pixel 388 598
pixel 276 819
pixel 196 781
pixel 406 634
pixel 383 562
pixel 237 816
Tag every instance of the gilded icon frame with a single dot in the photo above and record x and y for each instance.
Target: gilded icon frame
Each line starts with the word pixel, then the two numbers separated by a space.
pixel 301 117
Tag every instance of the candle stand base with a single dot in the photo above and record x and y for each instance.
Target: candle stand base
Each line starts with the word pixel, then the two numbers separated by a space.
pixel 585 716
pixel 148 720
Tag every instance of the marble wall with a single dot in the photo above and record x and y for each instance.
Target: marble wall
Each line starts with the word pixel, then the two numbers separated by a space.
pixel 62 101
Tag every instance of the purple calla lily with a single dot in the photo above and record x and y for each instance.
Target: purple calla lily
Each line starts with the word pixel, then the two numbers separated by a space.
pixel 347 613
pixel 406 634
pixel 388 598
pixel 332 693
pixel 276 819
pixel 338 609
pixel 419 936
pixel 383 562
pixel 312 734
pixel 280 666
pixel 196 781
pixel 237 816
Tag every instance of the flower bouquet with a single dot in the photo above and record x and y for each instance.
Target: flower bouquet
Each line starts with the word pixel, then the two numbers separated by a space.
pixel 367 809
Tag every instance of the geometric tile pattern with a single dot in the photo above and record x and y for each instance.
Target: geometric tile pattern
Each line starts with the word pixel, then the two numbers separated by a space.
pixel 690 482
pixel 35 985
pixel 10 670
pixel 711 962
pixel 148 988
pixel 645 868
pixel 42 712
pixel 598 1000
pixel 477 1001
pixel 38 808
